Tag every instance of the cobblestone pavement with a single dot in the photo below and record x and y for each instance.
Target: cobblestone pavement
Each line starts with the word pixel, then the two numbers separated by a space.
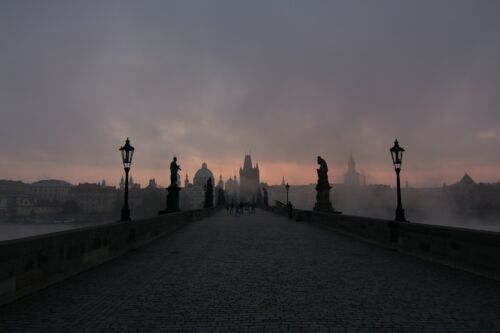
pixel 261 273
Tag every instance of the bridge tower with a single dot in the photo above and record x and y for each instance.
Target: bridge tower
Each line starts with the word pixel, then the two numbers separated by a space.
pixel 249 180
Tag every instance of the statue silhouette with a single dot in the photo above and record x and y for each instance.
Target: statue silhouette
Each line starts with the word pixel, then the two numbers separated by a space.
pixel 173 190
pixel 322 174
pixel 174 169
pixel 323 188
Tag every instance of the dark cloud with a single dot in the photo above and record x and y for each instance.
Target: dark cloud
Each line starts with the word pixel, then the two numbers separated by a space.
pixel 287 80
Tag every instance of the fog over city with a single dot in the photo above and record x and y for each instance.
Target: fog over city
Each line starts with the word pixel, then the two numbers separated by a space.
pixel 285 80
pixel 249 165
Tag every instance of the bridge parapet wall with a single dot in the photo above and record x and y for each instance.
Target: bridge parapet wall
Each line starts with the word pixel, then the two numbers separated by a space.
pixel 32 263
pixel 475 251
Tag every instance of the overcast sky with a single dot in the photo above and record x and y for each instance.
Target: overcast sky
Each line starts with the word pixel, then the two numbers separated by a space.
pixel 286 80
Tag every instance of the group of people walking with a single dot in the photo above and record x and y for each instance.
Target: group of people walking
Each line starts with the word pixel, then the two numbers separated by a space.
pixel 238 209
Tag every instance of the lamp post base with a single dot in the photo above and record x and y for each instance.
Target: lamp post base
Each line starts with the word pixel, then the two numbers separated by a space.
pixel 125 214
pixel 400 215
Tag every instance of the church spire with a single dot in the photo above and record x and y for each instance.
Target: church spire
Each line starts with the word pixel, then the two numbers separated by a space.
pixel 221 182
pixel 351 164
pixel 247 164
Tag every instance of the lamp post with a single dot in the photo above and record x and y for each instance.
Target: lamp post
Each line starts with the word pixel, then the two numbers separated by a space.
pixel 287 187
pixel 288 203
pixel 127 152
pixel 397 159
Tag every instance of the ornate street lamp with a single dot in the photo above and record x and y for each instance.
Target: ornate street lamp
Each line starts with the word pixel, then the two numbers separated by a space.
pixel 397 159
pixel 287 187
pixel 127 152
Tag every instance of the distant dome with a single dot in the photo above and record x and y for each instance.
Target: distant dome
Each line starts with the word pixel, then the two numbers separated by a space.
pixel 201 176
pixel 51 183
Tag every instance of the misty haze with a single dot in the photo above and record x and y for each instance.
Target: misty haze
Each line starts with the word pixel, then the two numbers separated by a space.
pixel 245 165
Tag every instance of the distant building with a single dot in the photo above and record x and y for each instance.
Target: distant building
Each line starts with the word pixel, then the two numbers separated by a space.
pixel 24 205
pixel 152 184
pixel 44 207
pixel 44 197
pixel 202 175
pixel 50 190
pixel 352 177
pixel 466 182
pixel 249 180
pixel 465 195
pixel 94 198
pixel 3 205
pixel 220 198
pixel 131 184
pixel 232 188
pixel 17 198
pixel 220 184
pixel 153 199
pixel 192 196
pixel 13 187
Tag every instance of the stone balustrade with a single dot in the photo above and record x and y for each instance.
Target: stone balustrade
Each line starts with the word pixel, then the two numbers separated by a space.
pixel 475 251
pixel 32 263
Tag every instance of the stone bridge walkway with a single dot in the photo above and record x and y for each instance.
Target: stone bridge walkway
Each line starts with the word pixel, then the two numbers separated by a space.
pixel 261 273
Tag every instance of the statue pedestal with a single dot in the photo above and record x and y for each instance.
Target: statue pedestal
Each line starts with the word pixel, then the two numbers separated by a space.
pixel 323 188
pixel 172 200
pixel 323 201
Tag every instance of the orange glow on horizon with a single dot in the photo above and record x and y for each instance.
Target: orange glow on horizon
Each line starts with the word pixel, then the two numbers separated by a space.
pixel 270 172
